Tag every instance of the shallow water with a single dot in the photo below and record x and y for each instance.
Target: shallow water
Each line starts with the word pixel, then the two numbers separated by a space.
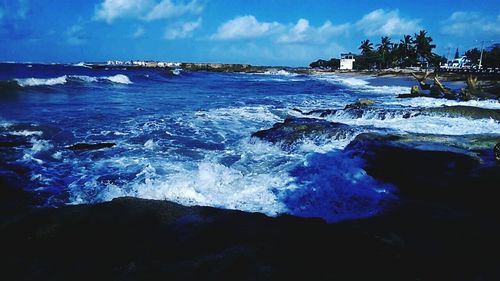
pixel 187 137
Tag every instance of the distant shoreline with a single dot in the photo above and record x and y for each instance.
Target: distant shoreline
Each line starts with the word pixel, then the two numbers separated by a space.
pixel 247 68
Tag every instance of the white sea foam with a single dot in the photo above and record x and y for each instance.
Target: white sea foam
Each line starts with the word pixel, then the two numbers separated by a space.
pixel 433 102
pixel 26 133
pixel 82 64
pixel 30 82
pixel 119 78
pixel 85 78
pixel 361 84
pixel 39 145
pixel 208 183
pixel 326 144
pixel 151 144
pixel 423 124
pixel 280 72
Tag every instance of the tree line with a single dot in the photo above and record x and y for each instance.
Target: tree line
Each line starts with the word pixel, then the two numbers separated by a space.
pixel 491 56
pixel 416 50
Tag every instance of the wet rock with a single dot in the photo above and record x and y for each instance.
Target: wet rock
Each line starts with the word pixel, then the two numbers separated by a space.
pixel 402 96
pixel 13 179
pixel 293 130
pixel 466 111
pixel 91 146
pixel 15 143
pixel 414 90
pixel 134 239
pixel 360 104
pixel 317 112
pixel 425 169
pixel 10 141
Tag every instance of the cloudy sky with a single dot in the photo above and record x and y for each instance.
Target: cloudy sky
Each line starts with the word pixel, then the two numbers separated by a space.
pixel 261 32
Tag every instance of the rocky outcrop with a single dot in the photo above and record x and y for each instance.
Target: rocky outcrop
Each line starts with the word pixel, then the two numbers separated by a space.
pixel 428 168
pixel 444 228
pixel 134 239
pixel 360 104
pixel 90 146
pixel 293 129
pixel 473 91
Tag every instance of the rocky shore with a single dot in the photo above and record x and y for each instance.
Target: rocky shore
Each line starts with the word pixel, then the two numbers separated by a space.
pixel 444 226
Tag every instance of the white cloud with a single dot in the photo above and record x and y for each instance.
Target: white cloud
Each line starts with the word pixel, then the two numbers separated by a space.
pixel 182 30
pixel 381 22
pixel 109 10
pixel 302 31
pixel 464 23
pixel 148 10
pixel 75 35
pixel 245 27
pixel 139 32
pixel 168 9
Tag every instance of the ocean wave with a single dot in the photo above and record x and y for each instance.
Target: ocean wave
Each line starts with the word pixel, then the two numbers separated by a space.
pixel 361 84
pixel 61 80
pixel 263 179
pixel 82 64
pixel 425 124
pixel 280 72
pixel 30 82
pixel 433 102
pixel 119 78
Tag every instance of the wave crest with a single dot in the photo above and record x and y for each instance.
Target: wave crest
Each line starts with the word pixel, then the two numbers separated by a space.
pixel 33 82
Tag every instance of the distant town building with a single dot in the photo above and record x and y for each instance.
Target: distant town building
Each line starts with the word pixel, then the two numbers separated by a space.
pixel 140 63
pixel 346 61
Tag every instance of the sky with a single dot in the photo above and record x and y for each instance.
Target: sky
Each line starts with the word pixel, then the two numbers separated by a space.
pixel 258 32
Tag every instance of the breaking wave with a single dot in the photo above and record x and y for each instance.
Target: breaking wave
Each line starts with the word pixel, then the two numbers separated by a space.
pixel 360 84
pixel 32 82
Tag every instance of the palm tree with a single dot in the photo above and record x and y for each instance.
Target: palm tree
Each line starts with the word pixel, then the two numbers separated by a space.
pixel 384 49
pixel 406 50
pixel 405 45
pixel 423 45
pixel 366 47
pixel 385 45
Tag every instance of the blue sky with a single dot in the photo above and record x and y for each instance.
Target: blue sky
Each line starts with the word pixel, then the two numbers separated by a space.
pixel 260 32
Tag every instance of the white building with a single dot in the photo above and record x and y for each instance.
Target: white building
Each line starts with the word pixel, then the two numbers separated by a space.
pixel 346 61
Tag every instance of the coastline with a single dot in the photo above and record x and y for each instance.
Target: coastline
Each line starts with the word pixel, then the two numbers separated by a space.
pixel 442 225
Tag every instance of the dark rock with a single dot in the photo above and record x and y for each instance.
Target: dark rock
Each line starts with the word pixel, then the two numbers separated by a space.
pixel 317 112
pixel 425 170
pixel 402 96
pixel 90 146
pixel 9 144
pixel 134 239
pixel 293 130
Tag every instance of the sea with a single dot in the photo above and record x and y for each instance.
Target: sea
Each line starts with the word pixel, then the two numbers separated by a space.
pixel 187 137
